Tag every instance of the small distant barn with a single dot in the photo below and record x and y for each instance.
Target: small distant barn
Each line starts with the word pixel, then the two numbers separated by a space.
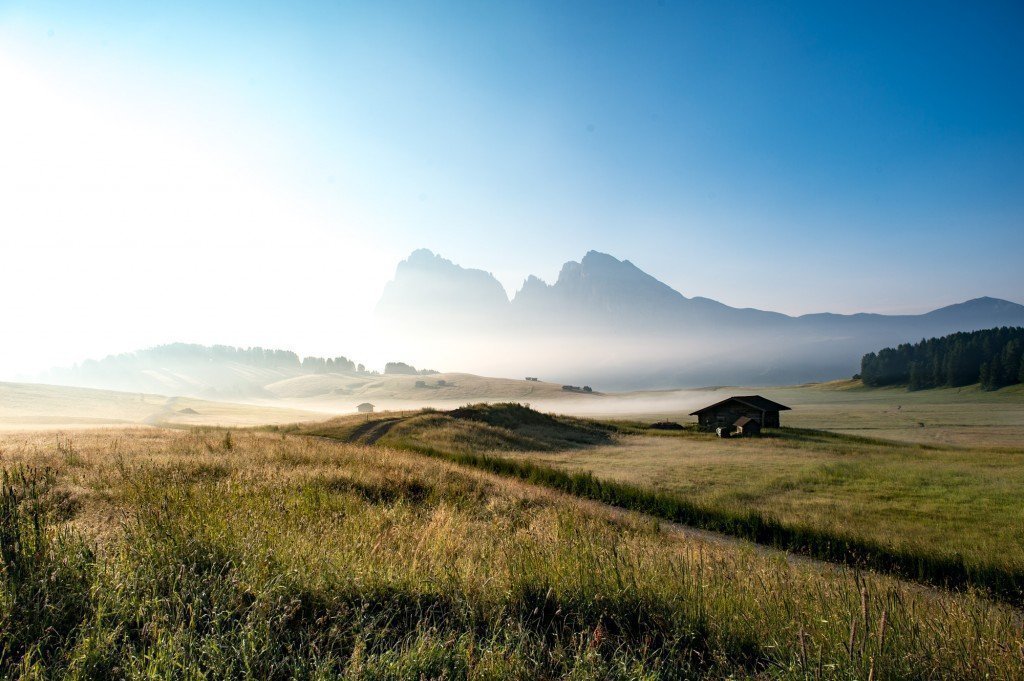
pixel 365 408
pixel 728 412
pixel 745 425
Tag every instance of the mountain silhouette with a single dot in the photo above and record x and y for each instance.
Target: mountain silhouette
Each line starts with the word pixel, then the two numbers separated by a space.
pixel 605 318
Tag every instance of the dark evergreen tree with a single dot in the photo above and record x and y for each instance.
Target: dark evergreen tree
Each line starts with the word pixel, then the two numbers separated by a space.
pixel 1012 353
pixel 916 380
pixel 985 376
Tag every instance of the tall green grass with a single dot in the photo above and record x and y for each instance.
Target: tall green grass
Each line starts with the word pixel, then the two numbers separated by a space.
pixel 47 574
pixel 283 558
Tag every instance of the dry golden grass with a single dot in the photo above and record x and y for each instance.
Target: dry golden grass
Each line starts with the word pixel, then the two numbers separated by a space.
pixel 397 565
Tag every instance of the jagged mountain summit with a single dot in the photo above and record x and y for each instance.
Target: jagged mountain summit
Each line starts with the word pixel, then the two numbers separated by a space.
pixel 602 291
pixel 599 282
pixel 430 289
pixel 607 318
pixel 599 291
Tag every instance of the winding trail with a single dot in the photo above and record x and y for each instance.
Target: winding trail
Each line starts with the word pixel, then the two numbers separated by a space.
pixel 368 433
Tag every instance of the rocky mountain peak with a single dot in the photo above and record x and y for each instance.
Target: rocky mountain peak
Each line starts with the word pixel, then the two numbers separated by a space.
pixel 429 286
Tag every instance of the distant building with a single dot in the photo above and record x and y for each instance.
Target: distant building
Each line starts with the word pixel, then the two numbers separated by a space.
pixel 727 412
pixel 365 408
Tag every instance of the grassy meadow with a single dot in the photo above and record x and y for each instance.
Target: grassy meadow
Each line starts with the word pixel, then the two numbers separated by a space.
pixel 955 502
pixel 208 553
pixel 945 515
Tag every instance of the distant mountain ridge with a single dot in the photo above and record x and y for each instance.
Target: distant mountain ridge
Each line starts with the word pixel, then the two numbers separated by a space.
pixel 669 339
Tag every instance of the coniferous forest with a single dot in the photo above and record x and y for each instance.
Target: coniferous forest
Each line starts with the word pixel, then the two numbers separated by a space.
pixel 993 357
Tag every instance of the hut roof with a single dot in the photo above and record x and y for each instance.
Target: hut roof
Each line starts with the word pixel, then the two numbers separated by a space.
pixel 755 401
pixel 364 404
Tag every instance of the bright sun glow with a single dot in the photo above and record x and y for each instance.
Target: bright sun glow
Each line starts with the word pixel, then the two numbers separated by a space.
pixel 128 234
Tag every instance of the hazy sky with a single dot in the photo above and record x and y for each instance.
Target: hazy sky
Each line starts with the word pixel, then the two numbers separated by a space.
pixel 250 173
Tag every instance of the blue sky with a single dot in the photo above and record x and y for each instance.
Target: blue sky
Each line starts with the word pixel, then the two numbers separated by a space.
pixel 791 156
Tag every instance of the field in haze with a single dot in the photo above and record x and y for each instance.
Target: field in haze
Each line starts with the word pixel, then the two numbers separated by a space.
pixel 310 397
pixel 33 406
pixel 942 416
pixel 271 554
pixel 340 392
pixel 497 541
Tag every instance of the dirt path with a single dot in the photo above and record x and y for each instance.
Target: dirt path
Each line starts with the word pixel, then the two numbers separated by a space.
pixel 368 433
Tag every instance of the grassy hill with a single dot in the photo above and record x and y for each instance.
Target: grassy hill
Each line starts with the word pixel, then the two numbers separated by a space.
pixel 478 427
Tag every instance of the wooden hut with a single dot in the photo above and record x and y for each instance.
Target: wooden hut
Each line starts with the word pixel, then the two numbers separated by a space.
pixel 365 408
pixel 745 425
pixel 729 410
